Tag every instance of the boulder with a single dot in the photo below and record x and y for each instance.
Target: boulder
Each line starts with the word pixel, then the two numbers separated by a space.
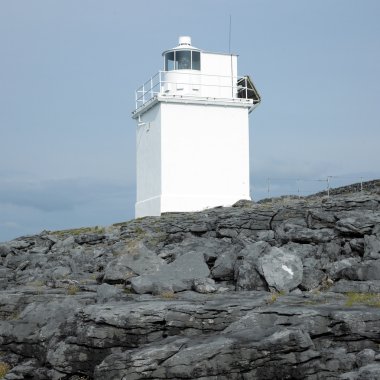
pixel 366 271
pixel 4 250
pixel 204 285
pixel 132 261
pixel 371 247
pixel 345 286
pixel 288 231
pixel 224 265
pixel 246 273
pixel 312 278
pixel 281 269
pixel 365 357
pixel 357 223
pixel 336 268
pixel 368 372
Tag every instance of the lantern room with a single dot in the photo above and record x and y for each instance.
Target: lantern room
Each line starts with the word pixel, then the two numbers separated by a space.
pixel 182 57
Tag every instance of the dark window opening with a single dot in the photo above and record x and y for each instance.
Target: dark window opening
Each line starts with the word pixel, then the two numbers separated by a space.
pixel 196 60
pixel 169 61
pixel 183 60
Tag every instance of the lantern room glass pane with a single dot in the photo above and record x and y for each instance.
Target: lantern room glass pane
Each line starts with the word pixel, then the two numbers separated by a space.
pixel 169 61
pixel 196 60
pixel 183 59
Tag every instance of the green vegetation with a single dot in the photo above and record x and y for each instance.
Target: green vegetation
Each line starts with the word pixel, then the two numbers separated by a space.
pixel 368 299
pixel 326 284
pixel 120 224
pixel 139 231
pixel 168 295
pixel 4 369
pixel 14 316
pixel 72 290
pixel 36 283
pixel 274 296
pixel 79 231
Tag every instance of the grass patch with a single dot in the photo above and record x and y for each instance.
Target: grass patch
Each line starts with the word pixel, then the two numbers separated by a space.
pixel 368 299
pixel 14 316
pixel 168 295
pixel 4 369
pixel 274 296
pixel 120 224
pixel 79 231
pixel 72 290
pixel 36 283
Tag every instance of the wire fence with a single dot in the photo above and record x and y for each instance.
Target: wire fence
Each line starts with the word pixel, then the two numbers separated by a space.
pixel 275 187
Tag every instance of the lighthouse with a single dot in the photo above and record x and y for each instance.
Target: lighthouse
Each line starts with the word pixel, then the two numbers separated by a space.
pixel 192 140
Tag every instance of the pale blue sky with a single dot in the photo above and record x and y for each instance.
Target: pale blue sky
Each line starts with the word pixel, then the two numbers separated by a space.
pixel 69 68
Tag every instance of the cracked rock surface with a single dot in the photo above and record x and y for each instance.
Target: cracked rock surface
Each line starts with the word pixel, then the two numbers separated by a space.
pixel 280 289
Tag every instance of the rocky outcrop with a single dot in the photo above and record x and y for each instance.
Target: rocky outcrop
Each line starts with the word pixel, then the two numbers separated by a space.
pixel 282 289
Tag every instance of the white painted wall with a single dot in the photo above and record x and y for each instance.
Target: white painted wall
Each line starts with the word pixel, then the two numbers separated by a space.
pixel 205 156
pixel 218 64
pixel 148 161
pixel 220 71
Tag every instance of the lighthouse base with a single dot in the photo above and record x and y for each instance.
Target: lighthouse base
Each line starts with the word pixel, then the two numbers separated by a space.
pixel 157 205
pixel 191 157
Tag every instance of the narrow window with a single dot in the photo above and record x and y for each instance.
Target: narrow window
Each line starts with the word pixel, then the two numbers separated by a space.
pixel 183 58
pixel 196 60
pixel 169 61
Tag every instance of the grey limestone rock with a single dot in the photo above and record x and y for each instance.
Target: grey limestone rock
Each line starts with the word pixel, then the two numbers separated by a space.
pixel 246 273
pixel 312 278
pixel 365 357
pixel 281 269
pixel 106 293
pixel 224 265
pixel 371 247
pixel 4 250
pixel 366 271
pixel 176 276
pixel 132 261
pixel 357 222
pixel 292 232
pixel 204 285
pixel 335 269
pixel 344 286
pixel 368 372
pixel 192 300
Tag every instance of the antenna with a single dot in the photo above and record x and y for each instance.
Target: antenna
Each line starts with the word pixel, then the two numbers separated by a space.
pixel 229 35
pixel 229 51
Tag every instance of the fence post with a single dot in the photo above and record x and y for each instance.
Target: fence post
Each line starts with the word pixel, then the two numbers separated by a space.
pixel 328 186
pixel 298 188
pixel 361 183
pixel 268 183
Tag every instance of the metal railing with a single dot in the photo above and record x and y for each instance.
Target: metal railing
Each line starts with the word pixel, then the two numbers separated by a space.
pixel 215 86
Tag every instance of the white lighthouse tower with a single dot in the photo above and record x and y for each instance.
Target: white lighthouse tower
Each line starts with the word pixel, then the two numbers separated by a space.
pixel 193 133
